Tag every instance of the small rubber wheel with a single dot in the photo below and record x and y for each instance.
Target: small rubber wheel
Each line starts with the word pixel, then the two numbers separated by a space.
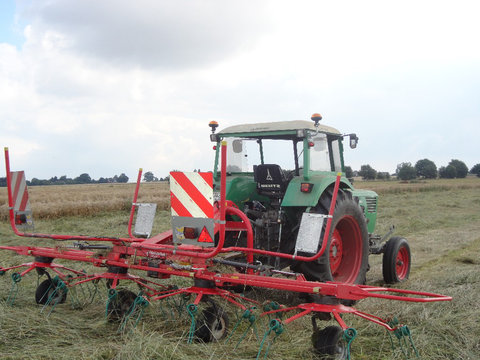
pixel 212 325
pixel 120 305
pixel 396 260
pixel 329 343
pixel 45 289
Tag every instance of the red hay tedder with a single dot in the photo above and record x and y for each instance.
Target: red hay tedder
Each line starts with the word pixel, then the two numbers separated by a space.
pixel 219 246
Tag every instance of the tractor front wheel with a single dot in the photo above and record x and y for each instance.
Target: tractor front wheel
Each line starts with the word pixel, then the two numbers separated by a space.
pixel 396 260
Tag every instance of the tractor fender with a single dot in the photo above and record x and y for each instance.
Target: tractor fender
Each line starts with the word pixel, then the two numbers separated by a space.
pixel 295 197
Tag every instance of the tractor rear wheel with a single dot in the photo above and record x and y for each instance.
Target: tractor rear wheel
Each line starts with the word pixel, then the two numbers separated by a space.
pixel 346 256
pixel 396 260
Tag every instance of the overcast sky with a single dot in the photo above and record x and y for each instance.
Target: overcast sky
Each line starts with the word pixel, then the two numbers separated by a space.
pixel 108 86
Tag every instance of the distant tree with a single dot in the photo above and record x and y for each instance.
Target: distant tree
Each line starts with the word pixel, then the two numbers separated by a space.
pixel 122 178
pixel 37 182
pixel 405 171
pixel 462 169
pixel 3 181
pixel 102 180
pixel 83 179
pixel 426 168
pixel 149 177
pixel 383 175
pixel 367 172
pixel 348 172
pixel 449 172
pixel 475 170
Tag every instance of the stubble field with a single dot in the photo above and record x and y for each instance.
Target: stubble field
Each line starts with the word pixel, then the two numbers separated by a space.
pixel 440 219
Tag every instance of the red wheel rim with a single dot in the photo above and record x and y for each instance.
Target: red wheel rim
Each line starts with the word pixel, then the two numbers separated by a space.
pixel 346 250
pixel 336 251
pixel 402 263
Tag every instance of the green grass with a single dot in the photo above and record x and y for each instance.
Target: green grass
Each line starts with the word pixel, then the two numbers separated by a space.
pixel 442 226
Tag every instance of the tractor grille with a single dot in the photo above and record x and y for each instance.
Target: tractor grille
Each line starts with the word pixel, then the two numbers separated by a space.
pixel 371 204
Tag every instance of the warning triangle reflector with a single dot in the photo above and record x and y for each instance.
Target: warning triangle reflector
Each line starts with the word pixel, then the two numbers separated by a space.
pixel 205 236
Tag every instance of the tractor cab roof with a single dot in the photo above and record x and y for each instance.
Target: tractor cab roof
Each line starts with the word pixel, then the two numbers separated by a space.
pixel 279 129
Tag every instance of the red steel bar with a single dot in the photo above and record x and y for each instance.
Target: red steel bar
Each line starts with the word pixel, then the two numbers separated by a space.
pixel 134 203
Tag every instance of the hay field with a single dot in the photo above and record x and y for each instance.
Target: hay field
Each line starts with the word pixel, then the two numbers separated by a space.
pixel 49 202
pixel 441 220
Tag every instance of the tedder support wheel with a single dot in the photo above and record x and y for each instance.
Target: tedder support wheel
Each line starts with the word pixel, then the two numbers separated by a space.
pixel 396 260
pixel 45 290
pixel 120 305
pixel 212 325
pixel 346 256
pixel 329 343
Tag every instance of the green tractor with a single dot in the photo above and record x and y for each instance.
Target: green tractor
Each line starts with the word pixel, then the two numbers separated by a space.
pixel 279 171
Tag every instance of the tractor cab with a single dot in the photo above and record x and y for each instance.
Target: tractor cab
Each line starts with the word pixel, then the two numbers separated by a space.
pixel 281 161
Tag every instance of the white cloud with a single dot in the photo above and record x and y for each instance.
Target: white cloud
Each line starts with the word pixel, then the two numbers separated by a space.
pixel 149 33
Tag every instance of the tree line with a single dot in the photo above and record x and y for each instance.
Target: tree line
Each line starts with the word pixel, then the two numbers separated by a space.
pixel 424 169
pixel 64 180
pixel 149 177
pixel 86 179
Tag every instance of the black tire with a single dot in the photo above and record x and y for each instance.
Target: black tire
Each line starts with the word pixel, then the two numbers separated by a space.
pixel 120 305
pixel 329 343
pixel 396 260
pixel 45 290
pixel 348 232
pixel 43 259
pixel 212 325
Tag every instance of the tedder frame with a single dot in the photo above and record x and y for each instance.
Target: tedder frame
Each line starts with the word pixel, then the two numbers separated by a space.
pixel 188 252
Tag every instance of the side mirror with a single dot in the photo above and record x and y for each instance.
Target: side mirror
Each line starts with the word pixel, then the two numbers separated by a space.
pixel 353 141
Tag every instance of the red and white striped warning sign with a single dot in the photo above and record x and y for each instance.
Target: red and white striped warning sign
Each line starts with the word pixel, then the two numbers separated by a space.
pixel 19 191
pixel 191 194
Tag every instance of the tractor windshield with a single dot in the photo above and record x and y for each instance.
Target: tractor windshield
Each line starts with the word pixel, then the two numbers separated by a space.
pixel 324 152
pixel 244 153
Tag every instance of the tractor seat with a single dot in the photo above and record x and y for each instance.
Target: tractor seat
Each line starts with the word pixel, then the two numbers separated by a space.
pixel 270 180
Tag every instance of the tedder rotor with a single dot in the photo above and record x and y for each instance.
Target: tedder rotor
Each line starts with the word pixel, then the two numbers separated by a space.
pixel 257 221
